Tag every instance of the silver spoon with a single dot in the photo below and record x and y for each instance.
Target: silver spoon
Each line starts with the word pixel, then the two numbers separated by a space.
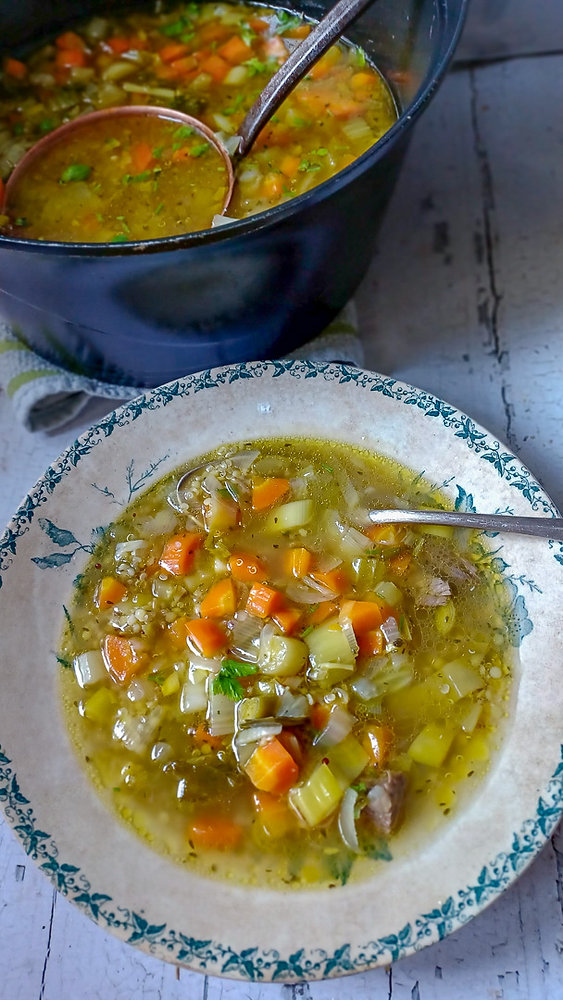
pixel 546 527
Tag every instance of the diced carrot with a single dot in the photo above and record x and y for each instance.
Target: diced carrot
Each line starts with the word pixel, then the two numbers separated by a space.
pixel 324 65
pixel 264 601
pixel 274 814
pixel 274 135
pixel 322 611
pixel 202 735
pixel 172 51
pixel 364 615
pixel 216 67
pixel 178 632
pixel 214 830
pixel 319 715
pixel 118 44
pixel 220 600
pixel 68 58
pixel 272 185
pixel 141 157
pixel 123 657
pixel 268 492
pixel 206 635
pixel 288 619
pixel 213 31
pixel 70 40
pixel 183 67
pixel 15 67
pixel 300 31
pixel 289 165
pixel 385 534
pixel 179 551
pixel 362 81
pixel 109 592
pixel 276 48
pixel 371 643
pixel 378 740
pixel 181 155
pixel 258 24
pixel 400 563
pixel 298 561
pixel 271 768
pixel 334 579
pixel 247 568
pixel 235 50
pixel 344 107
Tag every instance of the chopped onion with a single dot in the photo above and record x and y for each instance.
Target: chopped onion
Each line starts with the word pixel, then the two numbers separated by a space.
pixel 326 563
pixel 348 629
pixel 320 589
pixel 211 484
pixel 261 731
pixel 89 668
pixel 161 751
pixel 135 731
pixel 349 492
pixel 365 688
pixel 293 706
pixel 221 220
pixel 337 728
pixel 355 542
pixel 244 459
pixel 391 632
pixel 193 697
pixel 220 714
pixel 437 593
pixel 139 690
pixel 346 820
pixel 245 636
pixel 301 594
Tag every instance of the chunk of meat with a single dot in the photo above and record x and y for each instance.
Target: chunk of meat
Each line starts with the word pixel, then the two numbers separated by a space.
pixel 385 799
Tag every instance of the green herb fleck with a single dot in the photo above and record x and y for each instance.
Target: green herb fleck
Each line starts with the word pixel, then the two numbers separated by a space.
pixel 287 21
pixel 46 125
pixel 21 221
pixel 306 630
pixel 235 105
pixel 328 468
pixel 307 167
pixel 157 152
pixel 360 57
pixel 17 129
pixel 159 208
pixel 112 143
pixel 256 66
pixel 183 132
pixel 199 150
pixel 75 172
pixel 226 681
pixel 120 238
pixel 63 661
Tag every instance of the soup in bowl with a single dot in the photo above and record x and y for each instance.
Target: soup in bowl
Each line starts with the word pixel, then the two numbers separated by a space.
pixel 248 699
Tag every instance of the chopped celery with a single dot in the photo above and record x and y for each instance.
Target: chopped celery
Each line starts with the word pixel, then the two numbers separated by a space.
pixel 291 515
pixel 328 644
pixel 328 674
pixel 432 745
pixel 249 709
pixel 100 706
pixel 393 676
pixel 444 618
pixel 463 679
pixel 439 530
pixel 318 797
pixel 389 593
pixel 348 759
pixel 282 656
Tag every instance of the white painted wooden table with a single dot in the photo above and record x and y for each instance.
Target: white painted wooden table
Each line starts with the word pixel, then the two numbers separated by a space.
pixel 465 298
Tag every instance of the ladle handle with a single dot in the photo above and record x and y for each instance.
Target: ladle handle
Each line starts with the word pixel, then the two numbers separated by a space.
pixel 295 67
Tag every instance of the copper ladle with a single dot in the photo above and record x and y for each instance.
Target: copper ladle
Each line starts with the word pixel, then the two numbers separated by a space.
pixel 328 30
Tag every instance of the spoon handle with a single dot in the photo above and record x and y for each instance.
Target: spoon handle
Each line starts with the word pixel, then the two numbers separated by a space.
pixel 546 527
pixel 295 67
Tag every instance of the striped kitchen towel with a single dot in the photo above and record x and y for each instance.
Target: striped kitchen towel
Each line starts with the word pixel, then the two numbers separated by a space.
pixel 46 397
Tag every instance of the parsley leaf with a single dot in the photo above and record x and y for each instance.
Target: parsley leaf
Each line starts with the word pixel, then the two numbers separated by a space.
pixel 287 21
pixel 226 681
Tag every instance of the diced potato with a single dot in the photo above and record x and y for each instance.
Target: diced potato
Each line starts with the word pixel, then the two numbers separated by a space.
pixel 289 516
pixel 328 644
pixel 220 513
pixel 170 685
pixel 318 797
pixel 100 706
pixel 432 745
pixel 283 656
pixel 89 668
pixel 463 679
pixel 471 717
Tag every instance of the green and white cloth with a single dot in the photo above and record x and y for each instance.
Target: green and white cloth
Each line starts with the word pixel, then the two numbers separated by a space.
pixel 45 397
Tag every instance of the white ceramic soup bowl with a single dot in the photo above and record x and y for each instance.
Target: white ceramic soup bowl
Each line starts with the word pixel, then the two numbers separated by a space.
pixel 100 864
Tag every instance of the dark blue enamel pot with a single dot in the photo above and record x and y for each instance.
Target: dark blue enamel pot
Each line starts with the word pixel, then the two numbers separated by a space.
pixel 144 313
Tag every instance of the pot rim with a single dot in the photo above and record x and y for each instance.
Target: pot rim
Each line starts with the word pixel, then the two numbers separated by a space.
pixel 279 213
